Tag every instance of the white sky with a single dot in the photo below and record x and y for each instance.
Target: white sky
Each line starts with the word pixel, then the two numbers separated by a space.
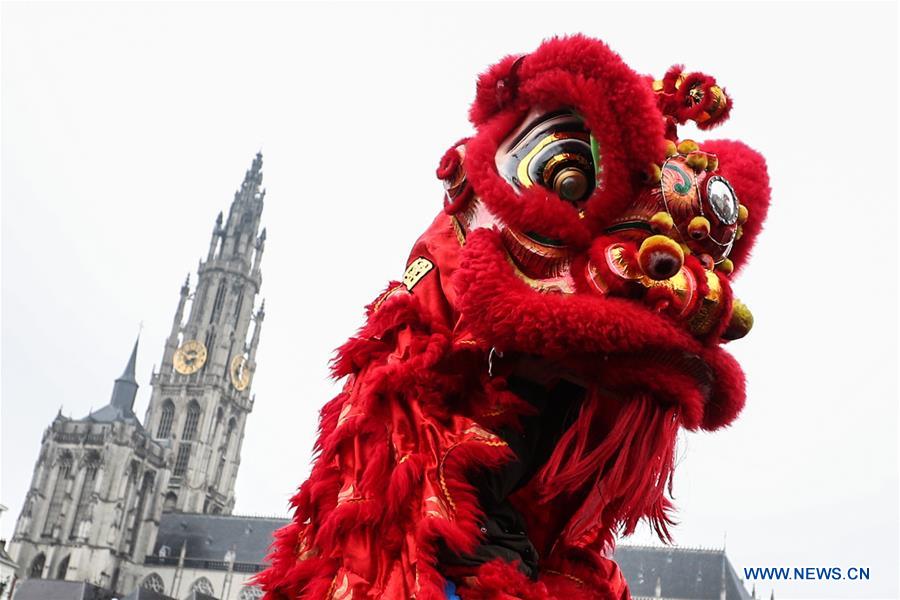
pixel 127 127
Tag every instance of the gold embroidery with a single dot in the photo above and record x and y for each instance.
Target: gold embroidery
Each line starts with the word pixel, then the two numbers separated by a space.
pixel 345 413
pixel 340 591
pixel 434 508
pixel 347 494
pixel 458 230
pixel 558 284
pixel 567 576
pixel 416 270
pixel 385 296
pixel 481 436
pixel 304 550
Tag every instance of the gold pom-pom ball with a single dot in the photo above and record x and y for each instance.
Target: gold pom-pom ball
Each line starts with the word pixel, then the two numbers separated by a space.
pixel 688 146
pixel 712 162
pixel 743 213
pixel 697 160
pixel 726 266
pixel 741 321
pixel 698 228
pixel 660 257
pixel 671 149
pixel 661 222
pixel 654 173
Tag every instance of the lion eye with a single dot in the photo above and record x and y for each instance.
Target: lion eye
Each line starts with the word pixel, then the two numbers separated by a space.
pixel 553 151
pixel 571 184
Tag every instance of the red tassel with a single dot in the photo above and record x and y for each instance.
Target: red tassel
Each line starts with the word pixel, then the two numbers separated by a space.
pixel 630 469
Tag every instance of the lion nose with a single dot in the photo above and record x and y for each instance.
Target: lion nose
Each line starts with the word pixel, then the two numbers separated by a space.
pixel 660 257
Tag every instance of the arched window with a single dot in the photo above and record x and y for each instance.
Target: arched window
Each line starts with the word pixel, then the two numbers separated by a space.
pixel 238 306
pixel 220 416
pixel 204 586
pixel 37 566
pixel 232 425
pixel 63 568
pixel 191 421
pixel 154 583
pixel 141 504
pixel 91 465
pixel 165 419
pixel 251 592
pixel 63 476
pixel 170 502
pixel 181 461
pixel 218 303
pixel 210 339
pixel 223 450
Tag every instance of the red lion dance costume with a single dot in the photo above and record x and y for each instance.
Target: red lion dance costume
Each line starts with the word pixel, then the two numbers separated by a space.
pixel 513 404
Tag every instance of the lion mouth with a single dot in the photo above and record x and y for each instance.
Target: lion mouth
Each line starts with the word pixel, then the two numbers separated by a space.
pixel 542 262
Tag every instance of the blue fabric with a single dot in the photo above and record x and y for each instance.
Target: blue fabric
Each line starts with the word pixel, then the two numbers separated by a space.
pixel 450 591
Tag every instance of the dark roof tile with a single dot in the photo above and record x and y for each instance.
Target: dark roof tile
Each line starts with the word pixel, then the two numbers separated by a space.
pixel 682 573
pixel 210 537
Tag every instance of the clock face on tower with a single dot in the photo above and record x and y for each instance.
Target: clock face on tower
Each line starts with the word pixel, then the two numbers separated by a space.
pixel 190 358
pixel 240 373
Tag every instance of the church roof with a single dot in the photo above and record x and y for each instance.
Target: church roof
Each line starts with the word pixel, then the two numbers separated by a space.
pixel 56 589
pixel 121 403
pixel 210 537
pixel 110 413
pixel 681 573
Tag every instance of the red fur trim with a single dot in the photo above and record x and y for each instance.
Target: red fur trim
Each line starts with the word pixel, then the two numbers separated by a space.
pixel 671 77
pixel 679 108
pixel 586 574
pixel 722 117
pixel 687 108
pixel 728 389
pixel 499 580
pixel 486 102
pixel 450 167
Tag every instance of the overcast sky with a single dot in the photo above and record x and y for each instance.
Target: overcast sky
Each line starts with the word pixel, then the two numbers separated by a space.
pixel 127 127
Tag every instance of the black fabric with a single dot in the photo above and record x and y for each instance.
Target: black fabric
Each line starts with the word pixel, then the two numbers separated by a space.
pixel 504 531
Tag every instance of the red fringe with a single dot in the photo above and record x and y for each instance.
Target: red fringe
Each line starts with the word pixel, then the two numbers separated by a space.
pixel 630 470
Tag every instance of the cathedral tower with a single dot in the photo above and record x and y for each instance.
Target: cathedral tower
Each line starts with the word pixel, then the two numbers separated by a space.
pixel 201 394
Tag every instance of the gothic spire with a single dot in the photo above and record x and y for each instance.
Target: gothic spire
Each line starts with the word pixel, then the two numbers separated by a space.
pixel 129 373
pixel 121 403
pixel 253 177
pixel 126 386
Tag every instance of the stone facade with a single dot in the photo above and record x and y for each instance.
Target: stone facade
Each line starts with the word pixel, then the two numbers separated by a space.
pixel 95 498
pixel 104 483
